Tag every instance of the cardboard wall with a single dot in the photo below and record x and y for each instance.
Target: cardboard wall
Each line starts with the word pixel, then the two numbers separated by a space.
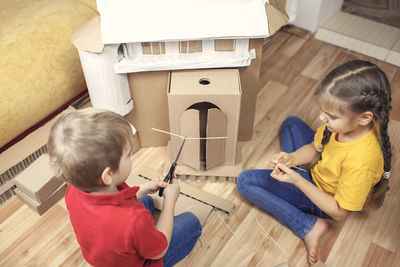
pixel 249 79
pixel 149 93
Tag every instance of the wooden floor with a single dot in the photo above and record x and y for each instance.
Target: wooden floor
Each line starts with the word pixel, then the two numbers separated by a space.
pixel 293 64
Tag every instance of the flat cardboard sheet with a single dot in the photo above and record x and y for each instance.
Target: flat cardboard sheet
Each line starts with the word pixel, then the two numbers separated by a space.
pixel 184 203
pixel 193 192
pixel 128 21
pixel 88 36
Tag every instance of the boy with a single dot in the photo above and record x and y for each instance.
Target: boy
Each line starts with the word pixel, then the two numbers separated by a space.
pixel 91 149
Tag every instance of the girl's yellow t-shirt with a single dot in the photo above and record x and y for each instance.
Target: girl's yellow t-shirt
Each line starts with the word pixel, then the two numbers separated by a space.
pixel 348 171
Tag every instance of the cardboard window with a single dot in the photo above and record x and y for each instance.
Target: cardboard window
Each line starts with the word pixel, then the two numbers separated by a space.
pixel 153 48
pixel 225 45
pixel 190 46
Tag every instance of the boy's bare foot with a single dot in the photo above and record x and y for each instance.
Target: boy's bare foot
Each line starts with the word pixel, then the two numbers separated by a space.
pixel 312 240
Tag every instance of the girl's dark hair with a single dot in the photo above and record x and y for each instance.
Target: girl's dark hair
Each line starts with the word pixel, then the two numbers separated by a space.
pixel 365 87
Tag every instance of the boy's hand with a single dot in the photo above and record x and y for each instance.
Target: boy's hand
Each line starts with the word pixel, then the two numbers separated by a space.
pixel 150 188
pixel 153 186
pixel 171 192
pixel 284 174
pixel 284 158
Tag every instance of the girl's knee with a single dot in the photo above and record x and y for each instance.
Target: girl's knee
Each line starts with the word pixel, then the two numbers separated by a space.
pixel 290 121
pixel 241 180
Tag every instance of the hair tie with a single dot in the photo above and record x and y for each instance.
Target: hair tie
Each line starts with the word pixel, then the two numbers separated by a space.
pixel 386 175
pixel 320 148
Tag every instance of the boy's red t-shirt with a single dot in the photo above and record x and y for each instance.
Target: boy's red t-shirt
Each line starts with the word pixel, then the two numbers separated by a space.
pixel 114 229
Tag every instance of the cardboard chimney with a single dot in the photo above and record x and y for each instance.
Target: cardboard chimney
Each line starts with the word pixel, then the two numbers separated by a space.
pixel 129 52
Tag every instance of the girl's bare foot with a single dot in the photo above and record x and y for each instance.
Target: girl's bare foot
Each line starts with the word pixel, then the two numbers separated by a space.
pixel 312 240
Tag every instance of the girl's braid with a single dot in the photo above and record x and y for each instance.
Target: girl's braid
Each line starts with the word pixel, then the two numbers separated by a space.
pixel 325 138
pixel 382 113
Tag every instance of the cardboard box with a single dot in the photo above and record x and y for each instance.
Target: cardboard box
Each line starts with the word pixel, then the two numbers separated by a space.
pixel 37 181
pixel 42 207
pixel 205 104
pixel 24 153
pixel 19 156
pixel 147 74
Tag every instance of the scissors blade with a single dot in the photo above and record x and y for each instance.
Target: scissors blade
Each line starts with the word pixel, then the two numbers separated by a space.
pixel 180 150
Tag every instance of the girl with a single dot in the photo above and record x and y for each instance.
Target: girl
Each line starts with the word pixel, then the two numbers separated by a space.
pixel 348 156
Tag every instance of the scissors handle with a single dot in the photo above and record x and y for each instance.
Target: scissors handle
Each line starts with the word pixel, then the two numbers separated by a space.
pixel 168 178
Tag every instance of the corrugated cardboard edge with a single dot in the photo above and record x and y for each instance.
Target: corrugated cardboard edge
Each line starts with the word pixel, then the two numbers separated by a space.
pixel 276 16
pixel 198 194
pixel 183 204
pixel 42 207
pixel 88 36
pixel 218 174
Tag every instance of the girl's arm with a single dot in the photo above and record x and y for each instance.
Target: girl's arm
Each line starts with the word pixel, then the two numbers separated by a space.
pixel 321 199
pixel 301 156
pixel 304 154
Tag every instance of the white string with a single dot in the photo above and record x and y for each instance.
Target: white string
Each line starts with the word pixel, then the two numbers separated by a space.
pixel 270 237
pixel 233 234
pixel 189 138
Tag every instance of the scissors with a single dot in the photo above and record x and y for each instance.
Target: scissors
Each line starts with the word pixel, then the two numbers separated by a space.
pixel 170 174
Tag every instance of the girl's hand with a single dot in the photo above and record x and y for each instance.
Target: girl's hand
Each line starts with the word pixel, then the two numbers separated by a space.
pixel 284 174
pixel 284 158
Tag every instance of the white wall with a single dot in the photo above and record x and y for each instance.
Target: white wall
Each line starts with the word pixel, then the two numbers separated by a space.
pixel 309 14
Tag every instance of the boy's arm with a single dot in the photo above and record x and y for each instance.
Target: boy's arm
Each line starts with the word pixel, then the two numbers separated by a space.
pixel 149 188
pixel 165 221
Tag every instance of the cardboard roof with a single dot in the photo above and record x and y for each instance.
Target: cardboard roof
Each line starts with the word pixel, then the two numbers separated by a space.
pixel 126 21
pixel 167 21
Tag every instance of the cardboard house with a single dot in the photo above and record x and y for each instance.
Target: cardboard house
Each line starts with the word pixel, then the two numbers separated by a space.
pixel 128 53
pixel 205 105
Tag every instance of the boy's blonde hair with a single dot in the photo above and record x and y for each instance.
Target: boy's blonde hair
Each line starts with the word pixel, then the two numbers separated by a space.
pixel 85 142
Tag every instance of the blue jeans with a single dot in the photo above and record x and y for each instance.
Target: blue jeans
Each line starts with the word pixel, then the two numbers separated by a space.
pixel 186 232
pixel 285 201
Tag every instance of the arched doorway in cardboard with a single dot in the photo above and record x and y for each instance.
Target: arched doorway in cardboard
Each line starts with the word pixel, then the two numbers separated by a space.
pixel 204 120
